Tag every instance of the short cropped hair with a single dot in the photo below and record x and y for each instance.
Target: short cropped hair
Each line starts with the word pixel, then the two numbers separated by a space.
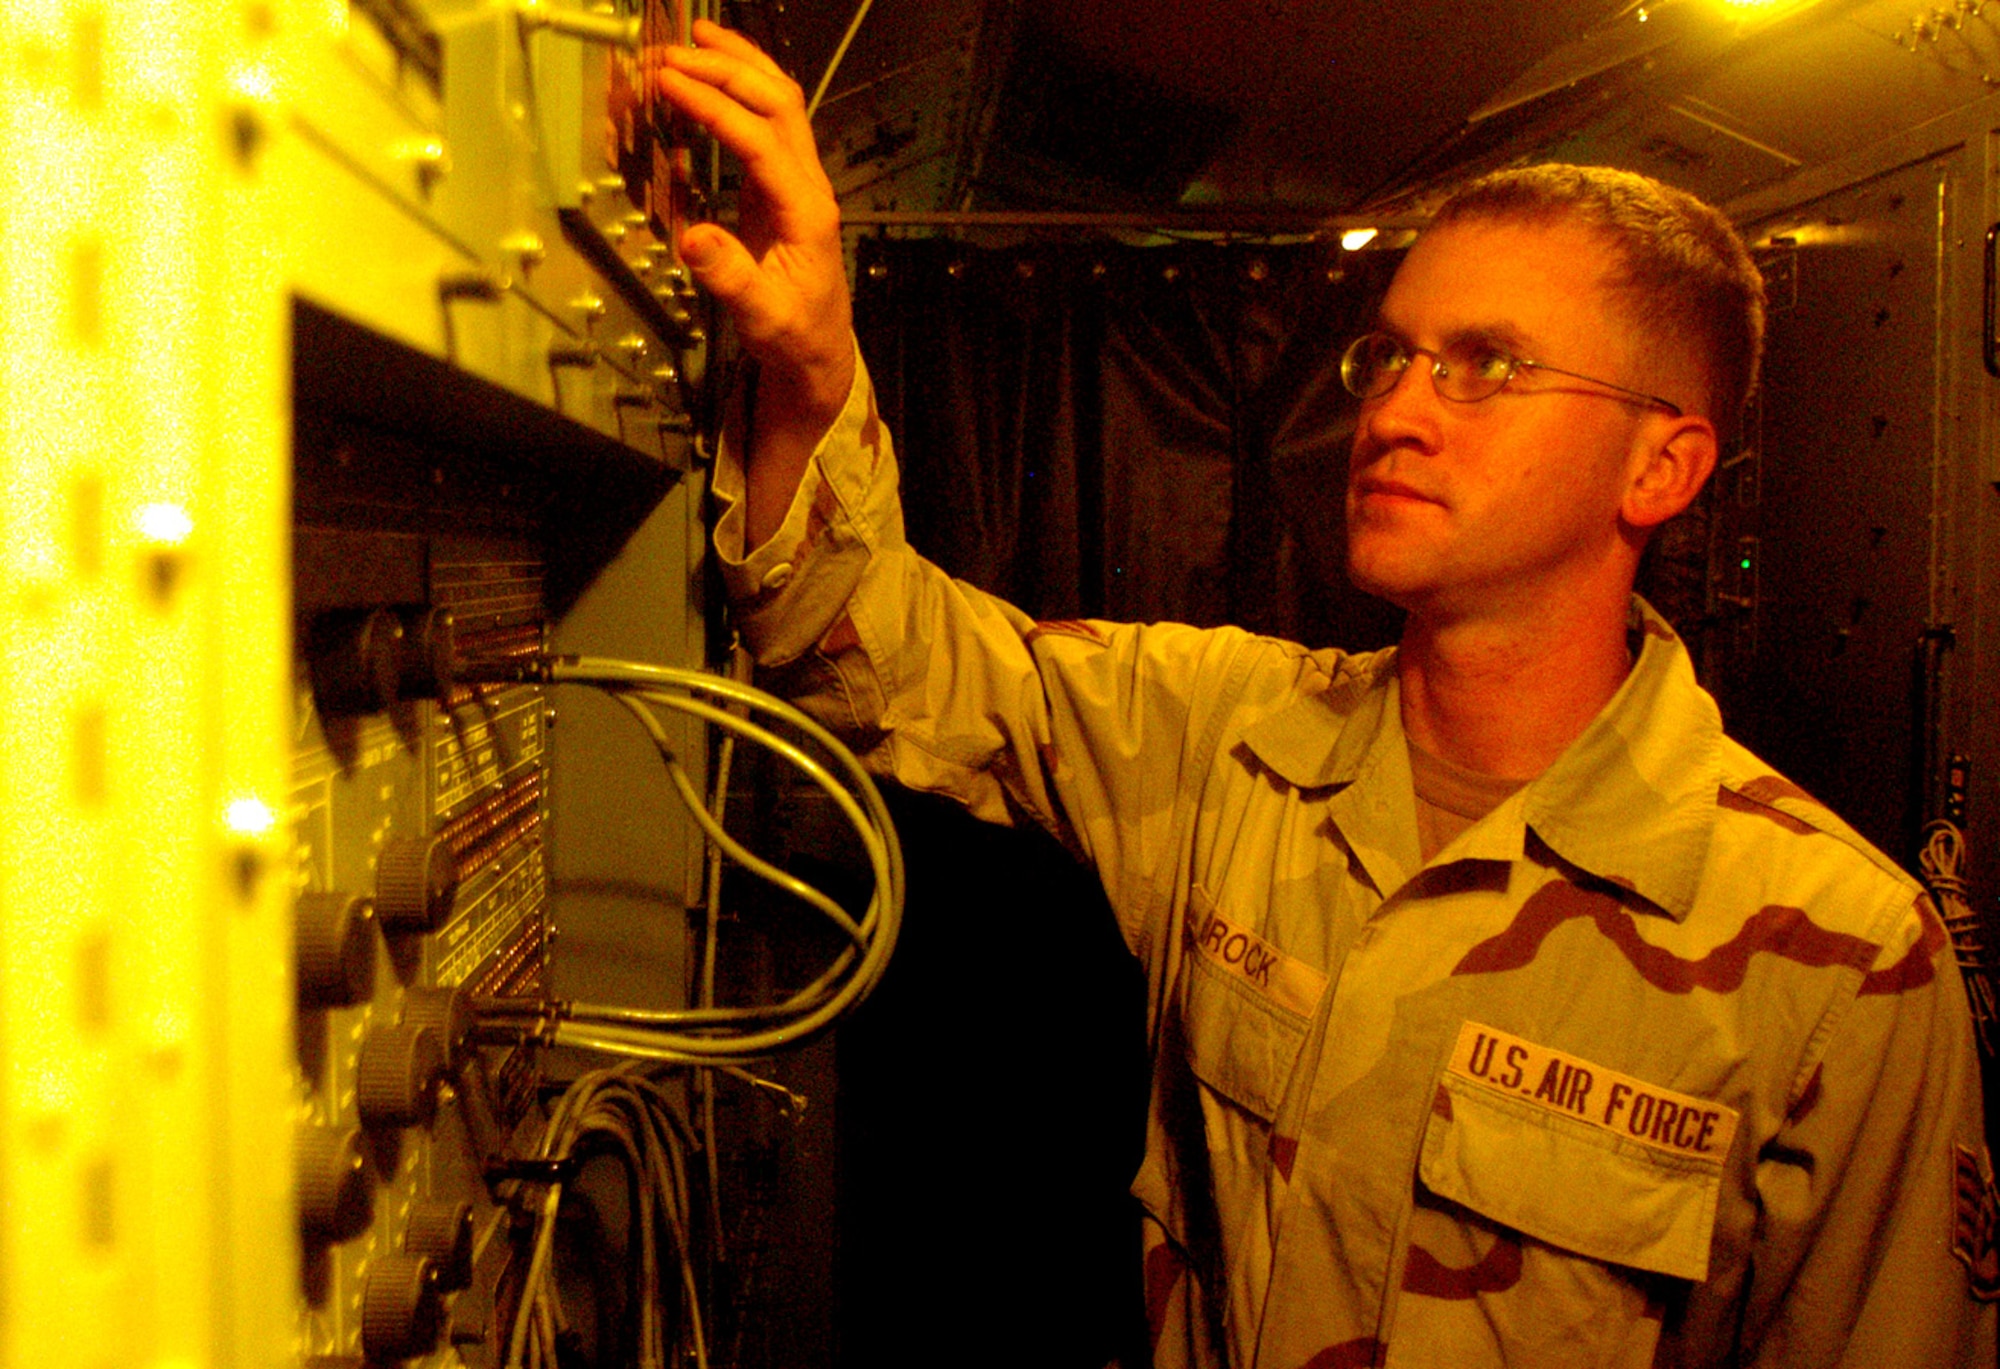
pixel 1684 267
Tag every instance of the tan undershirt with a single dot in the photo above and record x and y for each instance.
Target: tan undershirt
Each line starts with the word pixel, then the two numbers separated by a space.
pixel 1451 798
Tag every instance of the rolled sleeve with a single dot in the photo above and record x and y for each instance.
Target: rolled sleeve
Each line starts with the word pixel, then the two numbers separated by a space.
pixel 791 591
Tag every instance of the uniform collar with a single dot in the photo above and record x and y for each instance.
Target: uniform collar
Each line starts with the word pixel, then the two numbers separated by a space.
pixel 1632 801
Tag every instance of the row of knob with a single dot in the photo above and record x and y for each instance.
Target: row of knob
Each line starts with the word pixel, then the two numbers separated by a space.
pixel 416 882
pixel 365 661
pixel 396 1081
pixel 398 1074
pixel 402 1297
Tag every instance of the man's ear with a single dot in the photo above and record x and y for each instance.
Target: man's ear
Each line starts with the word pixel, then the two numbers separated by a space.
pixel 1676 455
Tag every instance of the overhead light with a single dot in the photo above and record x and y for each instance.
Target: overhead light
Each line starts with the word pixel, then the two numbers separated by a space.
pixel 1354 239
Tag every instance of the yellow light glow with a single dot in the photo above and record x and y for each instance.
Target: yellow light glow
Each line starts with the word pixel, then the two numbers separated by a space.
pixel 253 82
pixel 167 525
pixel 250 817
pixel 1354 239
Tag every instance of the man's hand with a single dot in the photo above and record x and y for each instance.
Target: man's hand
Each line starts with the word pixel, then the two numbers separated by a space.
pixel 780 277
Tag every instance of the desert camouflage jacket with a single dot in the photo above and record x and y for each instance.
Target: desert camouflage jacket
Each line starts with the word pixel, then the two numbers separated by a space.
pixel 1659 1063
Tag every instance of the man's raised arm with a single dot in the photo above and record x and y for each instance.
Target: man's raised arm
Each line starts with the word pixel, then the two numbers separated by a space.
pixel 780 276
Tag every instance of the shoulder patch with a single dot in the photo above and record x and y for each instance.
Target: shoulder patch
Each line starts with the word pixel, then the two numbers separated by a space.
pixel 1975 1223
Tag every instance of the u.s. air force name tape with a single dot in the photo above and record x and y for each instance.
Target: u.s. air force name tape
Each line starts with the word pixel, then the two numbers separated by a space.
pixel 1242 954
pixel 1550 1079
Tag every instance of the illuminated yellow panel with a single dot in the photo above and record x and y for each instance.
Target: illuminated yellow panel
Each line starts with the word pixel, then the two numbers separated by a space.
pixel 143 1017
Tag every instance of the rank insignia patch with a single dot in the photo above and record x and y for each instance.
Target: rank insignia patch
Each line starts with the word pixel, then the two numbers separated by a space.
pixel 1975 1227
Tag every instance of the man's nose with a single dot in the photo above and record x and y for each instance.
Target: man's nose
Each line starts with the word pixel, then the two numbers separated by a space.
pixel 1409 410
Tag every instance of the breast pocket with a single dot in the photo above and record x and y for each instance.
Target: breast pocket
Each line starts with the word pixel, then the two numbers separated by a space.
pixel 1238 1043
pixel 1562 1207
pixel 1572 1184
pixel 1245 1008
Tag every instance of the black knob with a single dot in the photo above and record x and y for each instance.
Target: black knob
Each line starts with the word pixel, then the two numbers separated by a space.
pixel 396 1077
pixel 402 1311
pixel 416 879
pixel 336 1187
pixel 335 939
pixel 441 1232
pixel 355 657
pixel 429 661
pixel 445 1012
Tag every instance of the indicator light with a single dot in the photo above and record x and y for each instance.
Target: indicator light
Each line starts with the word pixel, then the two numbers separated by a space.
pixel 249 817
pixel 168 525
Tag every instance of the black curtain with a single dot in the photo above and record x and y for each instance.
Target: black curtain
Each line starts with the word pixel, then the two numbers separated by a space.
pixel 1135 434
pixel 1139 434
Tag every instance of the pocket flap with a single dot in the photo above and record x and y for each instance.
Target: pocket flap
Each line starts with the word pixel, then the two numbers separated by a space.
pixel 1568 1182
pixel 1237 1044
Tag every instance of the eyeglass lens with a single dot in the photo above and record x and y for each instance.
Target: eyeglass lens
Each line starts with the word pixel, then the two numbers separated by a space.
pixel 1462 371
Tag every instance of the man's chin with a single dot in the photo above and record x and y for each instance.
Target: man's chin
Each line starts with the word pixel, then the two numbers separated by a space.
pixel 1403 590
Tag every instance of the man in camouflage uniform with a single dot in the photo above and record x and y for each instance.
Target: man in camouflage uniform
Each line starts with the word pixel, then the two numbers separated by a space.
pixel 1502 1010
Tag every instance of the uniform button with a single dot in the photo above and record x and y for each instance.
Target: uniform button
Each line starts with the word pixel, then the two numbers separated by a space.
pixel 778 576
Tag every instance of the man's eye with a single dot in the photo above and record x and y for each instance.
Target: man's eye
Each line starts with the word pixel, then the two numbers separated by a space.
pixel 1386 354
pixel 1481 363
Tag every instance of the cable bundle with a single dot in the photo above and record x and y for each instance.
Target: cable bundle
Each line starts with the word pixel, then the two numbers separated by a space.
pixel 1941 860
pixel 621 1112
pixel 706 1034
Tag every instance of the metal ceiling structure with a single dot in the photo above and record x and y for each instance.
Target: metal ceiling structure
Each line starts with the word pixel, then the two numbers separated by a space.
pixel 1282 112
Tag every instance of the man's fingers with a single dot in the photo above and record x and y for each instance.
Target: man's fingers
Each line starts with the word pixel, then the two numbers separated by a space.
pixel 791 180
pixel 745 132
pixel 772 94
pixel 779 276
pixel 716 38
pixel 743 72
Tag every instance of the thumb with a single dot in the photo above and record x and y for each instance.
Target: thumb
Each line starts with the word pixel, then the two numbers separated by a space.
pixel 723 267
